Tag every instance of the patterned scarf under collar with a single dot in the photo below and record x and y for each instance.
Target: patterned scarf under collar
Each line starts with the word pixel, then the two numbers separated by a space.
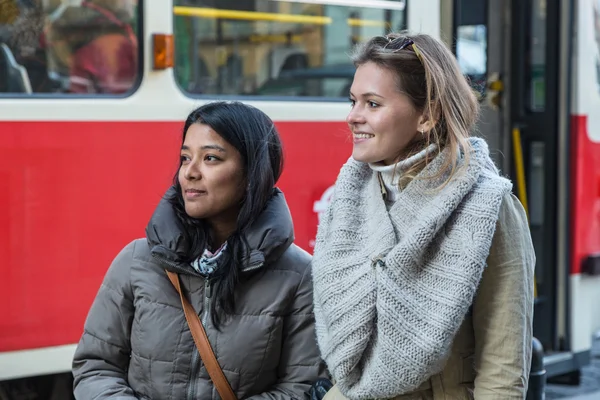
pixel 208 262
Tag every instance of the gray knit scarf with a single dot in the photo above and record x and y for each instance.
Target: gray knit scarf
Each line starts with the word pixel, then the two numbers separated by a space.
pixel 391 289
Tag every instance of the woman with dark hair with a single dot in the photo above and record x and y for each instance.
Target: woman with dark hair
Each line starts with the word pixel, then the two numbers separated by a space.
pixel 225 233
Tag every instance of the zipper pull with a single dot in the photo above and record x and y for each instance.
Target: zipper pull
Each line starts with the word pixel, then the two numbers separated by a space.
pixel 207 288
pixel 378 261
pixel 384 192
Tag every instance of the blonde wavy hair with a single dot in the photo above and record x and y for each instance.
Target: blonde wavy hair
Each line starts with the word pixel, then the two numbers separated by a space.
pixel 428 74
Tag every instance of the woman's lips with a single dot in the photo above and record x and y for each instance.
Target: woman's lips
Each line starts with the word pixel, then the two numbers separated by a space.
pixel 194 193
pixel 360 137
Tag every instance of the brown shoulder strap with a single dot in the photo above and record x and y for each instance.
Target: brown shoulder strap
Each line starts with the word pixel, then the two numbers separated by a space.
pixel 203 345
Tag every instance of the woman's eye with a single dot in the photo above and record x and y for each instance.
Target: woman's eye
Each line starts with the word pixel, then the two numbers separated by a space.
pixel 183 158
pixel 211 158
pixel 372 104
pixel 352 102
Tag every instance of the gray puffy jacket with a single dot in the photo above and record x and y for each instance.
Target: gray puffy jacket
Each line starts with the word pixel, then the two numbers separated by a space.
pixel 136 342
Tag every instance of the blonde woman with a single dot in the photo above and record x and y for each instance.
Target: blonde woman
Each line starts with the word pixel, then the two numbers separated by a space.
pixel 423 266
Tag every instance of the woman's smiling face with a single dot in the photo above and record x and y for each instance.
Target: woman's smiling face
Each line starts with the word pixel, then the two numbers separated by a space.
pixel 383 121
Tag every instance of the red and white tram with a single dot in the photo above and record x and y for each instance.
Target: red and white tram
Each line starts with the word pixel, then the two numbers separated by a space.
pixel 85 156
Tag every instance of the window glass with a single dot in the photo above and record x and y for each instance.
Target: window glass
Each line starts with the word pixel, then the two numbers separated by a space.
pixel 273 48
pixel 471 42
pixel 54 46
pixel 536 56
pixel 471 53
pixel 596 7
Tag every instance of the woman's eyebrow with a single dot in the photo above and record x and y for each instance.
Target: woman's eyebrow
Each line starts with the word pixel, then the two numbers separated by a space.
pixel 207 147
pixel 368 94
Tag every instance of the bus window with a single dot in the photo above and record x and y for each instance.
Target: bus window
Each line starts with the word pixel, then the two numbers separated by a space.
pixel 58 46
pixel 276 48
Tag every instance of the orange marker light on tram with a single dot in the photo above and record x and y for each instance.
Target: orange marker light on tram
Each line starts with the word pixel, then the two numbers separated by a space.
pixel 163 53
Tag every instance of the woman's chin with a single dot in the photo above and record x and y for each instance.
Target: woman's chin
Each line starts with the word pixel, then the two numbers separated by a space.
pixel 194 212
pixel 364 157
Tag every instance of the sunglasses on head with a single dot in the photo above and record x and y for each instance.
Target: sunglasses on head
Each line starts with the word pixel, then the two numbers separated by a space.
pixel 402 43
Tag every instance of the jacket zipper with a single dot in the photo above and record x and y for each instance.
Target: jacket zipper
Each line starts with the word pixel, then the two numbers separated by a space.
pixel 195 364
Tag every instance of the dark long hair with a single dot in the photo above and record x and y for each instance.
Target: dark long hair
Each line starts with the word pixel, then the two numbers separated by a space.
pixel 253 134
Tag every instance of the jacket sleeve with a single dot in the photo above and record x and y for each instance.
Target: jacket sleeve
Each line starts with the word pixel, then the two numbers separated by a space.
pixel 300 364
pixel 503 309
pixel 102 356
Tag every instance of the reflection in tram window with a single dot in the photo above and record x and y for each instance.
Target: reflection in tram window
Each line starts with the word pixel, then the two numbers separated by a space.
pixel 536 60
pixel 597 37
pixel 471 53
pixel 273 48
pixel 471 42
pixel 58 46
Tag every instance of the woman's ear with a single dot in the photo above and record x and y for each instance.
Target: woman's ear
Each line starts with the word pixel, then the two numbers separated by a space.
pixel 426 122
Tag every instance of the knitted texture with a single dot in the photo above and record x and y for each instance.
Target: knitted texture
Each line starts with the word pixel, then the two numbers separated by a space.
pixel 391 289
pixel 391 173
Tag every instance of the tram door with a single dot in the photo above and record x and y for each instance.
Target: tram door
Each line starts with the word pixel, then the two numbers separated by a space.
pixel 534 110
pixel 509 50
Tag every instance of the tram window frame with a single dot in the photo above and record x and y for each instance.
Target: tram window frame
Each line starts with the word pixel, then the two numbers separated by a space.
pixel 139 30
pixel 400 22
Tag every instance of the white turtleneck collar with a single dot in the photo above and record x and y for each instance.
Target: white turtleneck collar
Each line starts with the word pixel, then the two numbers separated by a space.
pixel 391 174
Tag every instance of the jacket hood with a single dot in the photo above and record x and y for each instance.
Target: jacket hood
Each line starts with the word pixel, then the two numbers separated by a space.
pixel 268 237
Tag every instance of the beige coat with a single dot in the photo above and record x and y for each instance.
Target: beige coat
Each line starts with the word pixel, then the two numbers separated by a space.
pixel 491 354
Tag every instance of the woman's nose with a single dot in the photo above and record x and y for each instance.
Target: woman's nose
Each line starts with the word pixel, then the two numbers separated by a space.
pixel 355 117
pixel 191 172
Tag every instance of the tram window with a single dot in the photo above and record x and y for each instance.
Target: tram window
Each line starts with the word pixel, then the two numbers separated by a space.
pixel 536 57
pixel 61 47
pixel 471 53
pixel 471 42
pixel 281 48
pixel 597 37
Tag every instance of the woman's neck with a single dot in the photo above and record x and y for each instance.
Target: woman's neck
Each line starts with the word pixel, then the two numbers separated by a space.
pixel 391 174
pixel 220 231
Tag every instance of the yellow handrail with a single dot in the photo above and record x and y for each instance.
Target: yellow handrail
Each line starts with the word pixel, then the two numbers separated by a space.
pixel 203 12
pixel 520 169
pixel 521 182
pixel 367 22
pixel 249 15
